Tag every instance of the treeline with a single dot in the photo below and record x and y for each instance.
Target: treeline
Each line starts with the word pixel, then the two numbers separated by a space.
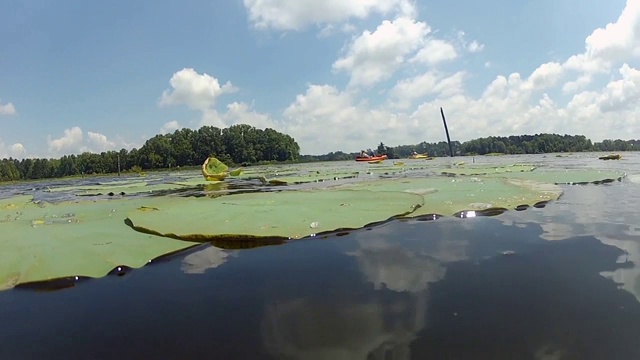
pixel 244 144
pixel 522 144
pixel 238 144
pixel 397 152
pixel 543 143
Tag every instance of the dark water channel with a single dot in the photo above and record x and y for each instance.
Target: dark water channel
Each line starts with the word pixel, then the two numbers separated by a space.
pixel 560 282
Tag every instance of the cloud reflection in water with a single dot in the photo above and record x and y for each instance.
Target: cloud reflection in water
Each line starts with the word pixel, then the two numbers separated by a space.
pixel 202 260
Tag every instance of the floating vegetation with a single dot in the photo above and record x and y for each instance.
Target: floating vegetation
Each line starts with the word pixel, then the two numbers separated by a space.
pixel 286 214
pixel 309 177
pixel 214 169
pixel 447 196
pixel 568 177
pixel 611 157
pixel 487 169
pixel 90 237
pixel 86 238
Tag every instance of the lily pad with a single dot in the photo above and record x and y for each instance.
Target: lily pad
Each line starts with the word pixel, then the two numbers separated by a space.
pixel 236 172
pixel 286 214
pixel 124 186
pixel 214 169
pixel 447 196
pixel 85 238
pixel 487 169
pixel 560 177
pixel 310 177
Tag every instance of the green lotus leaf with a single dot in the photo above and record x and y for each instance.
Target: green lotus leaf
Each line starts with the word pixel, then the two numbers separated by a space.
pixel 285 214
pixel 108 187
pixel 214 169
pixel 216 177
pixel 411 165
pixel 447 196
pixel 488 169
pixel 189 182
pixel 87 238
pixel 236 172
pixel 310 177
pixel 128 187
pixel 560 177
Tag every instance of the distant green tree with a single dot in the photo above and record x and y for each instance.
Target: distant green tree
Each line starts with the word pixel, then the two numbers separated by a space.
pixel 244 144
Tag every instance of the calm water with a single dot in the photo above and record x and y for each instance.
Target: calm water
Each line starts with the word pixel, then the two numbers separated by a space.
pixel 554 283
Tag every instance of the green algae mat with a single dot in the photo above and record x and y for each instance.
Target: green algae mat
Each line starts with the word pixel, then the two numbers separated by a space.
pixel 81 237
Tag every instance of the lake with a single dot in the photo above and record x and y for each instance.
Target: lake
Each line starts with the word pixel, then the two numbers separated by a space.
pixel 559 282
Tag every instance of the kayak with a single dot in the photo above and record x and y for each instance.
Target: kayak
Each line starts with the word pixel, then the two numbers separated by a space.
pixel 371 158
pixel 419 156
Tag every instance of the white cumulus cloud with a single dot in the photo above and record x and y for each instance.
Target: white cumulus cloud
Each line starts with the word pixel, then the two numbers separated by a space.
pixel 324 117
pixel 7 109
pixel 197 91
pixel 99 142
pixel 16 151
pixel 375 56
pixel 71 141
pixel 300 14
pixel 508 106
pixel 237 113
pixel 475 46
pixel 74 141
pixel 511 104
pixel 436 51
pixel 619 40
pixel 170 127
pixel 429 83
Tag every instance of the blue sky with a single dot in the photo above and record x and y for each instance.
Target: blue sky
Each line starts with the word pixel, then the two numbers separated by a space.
pixel 79 75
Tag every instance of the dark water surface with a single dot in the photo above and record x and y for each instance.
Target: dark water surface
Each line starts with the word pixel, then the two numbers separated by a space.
pixel 554 283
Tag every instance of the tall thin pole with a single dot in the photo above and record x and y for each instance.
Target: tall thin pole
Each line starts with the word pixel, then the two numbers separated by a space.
pixel 118 164
pixel 446 130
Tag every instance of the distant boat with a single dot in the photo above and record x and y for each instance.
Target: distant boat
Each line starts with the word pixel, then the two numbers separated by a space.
pixel 419 156
pixel 371 158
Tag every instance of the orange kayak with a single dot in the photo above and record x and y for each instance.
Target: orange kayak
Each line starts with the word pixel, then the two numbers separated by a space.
pixel 371 158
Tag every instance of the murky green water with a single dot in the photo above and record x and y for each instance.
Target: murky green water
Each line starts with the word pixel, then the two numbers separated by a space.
pixel 559 282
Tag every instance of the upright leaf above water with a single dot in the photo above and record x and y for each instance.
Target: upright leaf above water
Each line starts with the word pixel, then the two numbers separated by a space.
pixel 214 169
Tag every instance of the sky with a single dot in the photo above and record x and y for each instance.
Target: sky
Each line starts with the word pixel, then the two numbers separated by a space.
pixel 337 75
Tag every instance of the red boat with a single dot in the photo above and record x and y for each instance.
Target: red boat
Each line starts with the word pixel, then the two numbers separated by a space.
pixel 371 158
